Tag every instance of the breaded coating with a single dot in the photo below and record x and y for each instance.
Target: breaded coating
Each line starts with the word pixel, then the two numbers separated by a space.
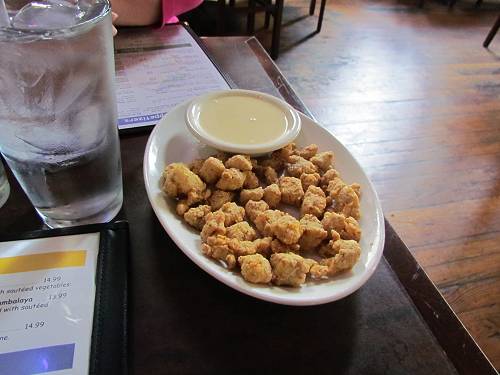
pixel 313 233
pixel 309 179
pixel 299 165
pixel 195 165
pixel 279 247
pixel 272 195
pixel 263 246
pixel 241 231
pixel 357 189
pixel 314 202
pixel 217 247
pixel 211 170
pixel 285 152
pixel 255 269
pixel 333 247
pixel 287 229
pixel 328 176
pixel 207 190
pixel 264 220
pixel 274 162
pixel 323 160
pixel 241 162
pixel 231 179
pixel 251 180
pixel 318 271
pixel 233 213
pixel 253 209
pixel 291 190
pixel 251 194
pixel 222 156
pixel 270 175
pixel 181 207
pixel 195 196
pixel 258 246
pixel 241 248
pixel 347 202
pixel 219 198
pixel 308 151
pixel 196 216
pixel 179 180
pixel 214 225
pixel 347 255
pixel 333 221
pixel 289 269
pixel 352 230
pixel 334 187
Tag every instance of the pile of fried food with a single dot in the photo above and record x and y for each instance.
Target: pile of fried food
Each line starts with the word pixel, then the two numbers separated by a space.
pixel 235 202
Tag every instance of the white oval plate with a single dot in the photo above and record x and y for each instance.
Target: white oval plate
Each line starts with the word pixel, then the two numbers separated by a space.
pixel 171 141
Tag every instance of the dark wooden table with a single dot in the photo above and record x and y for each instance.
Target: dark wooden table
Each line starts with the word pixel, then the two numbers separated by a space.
pixel 184 321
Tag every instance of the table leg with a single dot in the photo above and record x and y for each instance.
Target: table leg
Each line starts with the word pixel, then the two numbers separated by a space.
pixel 492 33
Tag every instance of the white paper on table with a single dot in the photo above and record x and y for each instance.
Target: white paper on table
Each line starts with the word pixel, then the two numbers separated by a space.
pixel 47 293
pixel 157 70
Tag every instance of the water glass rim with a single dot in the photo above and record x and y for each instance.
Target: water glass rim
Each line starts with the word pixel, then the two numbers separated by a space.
pixel 37 34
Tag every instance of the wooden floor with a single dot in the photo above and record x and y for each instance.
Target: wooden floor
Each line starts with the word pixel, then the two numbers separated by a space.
pixel 416 98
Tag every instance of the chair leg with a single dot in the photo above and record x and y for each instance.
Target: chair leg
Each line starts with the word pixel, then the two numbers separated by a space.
pixel 312 6
pixel 221 4
pixel 275 44
pixel 251 17
pixel 321 14
pixel 232 3
pixel 492 33
pixel 478 3
pixel 267 20
pixel 451 4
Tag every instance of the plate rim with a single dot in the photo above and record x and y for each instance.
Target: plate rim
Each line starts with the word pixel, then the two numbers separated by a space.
pixel 279 299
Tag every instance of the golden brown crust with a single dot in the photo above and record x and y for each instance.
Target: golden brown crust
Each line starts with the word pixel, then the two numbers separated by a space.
pixel 272 195
pixel 196 216
pixel 241 162
pixel 254 208
pixel 309 179
pixel 251 194
pixel 233 213
pixel 323 161
pixel 241 231
pixel 227 230
pixel 314 202
pixel 291 190
pixel 255 269
pixel 211 170
pixel 219 197
pixel 298 165
pixel 231 179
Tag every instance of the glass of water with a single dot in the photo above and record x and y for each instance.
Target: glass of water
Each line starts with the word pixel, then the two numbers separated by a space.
pixel 58 109
pixel 4 186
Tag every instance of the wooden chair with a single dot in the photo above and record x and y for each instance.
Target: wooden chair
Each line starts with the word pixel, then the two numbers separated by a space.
pixel 492 33
pixel 275 10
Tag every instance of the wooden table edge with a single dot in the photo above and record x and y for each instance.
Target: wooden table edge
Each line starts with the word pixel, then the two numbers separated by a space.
pixel 456 341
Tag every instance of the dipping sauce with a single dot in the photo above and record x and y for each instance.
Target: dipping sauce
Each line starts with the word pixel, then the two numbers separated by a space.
pixel 242 119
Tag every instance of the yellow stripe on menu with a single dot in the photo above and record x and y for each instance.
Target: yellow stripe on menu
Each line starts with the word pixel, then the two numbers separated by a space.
pixel 43 261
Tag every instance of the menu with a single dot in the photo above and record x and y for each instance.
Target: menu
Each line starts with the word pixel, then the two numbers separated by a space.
pixel 47 292
pixel 157 70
